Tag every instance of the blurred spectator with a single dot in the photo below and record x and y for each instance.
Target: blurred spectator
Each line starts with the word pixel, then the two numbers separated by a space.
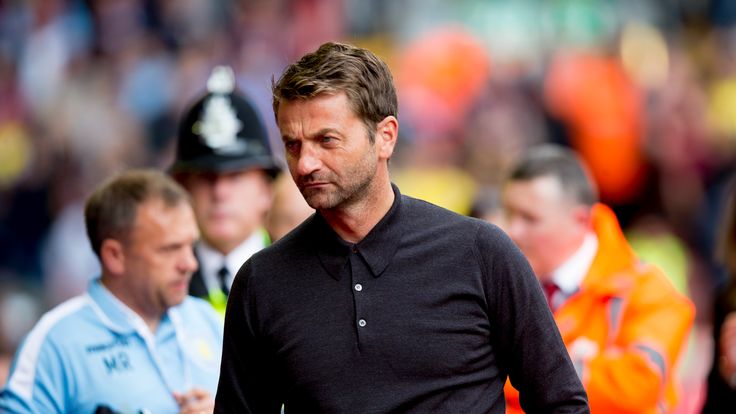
pixel 624 324
pixel 440 75
pixel 677 142
pixel 721 392
pixel 68 261
pixel 601 109
pixel 487 206
pixel 654 241
pixel 506 120
pixel 20 308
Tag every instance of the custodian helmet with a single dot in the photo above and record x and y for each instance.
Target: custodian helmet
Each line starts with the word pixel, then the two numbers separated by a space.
pixel 223 132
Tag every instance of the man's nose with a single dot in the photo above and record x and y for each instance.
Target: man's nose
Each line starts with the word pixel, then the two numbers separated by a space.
pixel 188 262
pixel 308 161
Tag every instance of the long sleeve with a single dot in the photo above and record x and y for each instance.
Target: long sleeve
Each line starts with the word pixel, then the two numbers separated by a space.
pixel 247 370
pixel 633 371
pixel 530 344
pixel 633 325
pixel 720 397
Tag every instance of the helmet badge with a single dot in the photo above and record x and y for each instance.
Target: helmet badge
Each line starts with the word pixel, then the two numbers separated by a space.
pixel 219 125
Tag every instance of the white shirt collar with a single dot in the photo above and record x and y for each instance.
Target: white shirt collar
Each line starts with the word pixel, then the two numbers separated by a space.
pixel 571 273
pixel 211 260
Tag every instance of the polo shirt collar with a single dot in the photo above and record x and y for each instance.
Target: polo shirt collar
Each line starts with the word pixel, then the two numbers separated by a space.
pixel 377 248
pixel 117 316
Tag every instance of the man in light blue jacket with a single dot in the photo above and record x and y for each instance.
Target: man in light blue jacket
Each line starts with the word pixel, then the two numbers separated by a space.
pixel 135 342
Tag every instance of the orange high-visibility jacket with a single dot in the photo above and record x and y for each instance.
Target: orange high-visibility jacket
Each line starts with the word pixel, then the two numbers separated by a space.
pixel 638 321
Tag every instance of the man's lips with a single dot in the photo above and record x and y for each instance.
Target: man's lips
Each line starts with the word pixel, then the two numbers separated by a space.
pixel 181 284
pixel 313 185
pixel 220 213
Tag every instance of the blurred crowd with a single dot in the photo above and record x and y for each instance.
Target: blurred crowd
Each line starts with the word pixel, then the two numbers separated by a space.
pixel 644 91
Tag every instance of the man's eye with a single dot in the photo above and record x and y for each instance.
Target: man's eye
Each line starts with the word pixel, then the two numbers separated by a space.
pixel 170 248
pixel 327 139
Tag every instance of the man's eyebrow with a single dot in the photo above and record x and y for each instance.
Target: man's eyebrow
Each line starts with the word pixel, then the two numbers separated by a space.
pixel 321 132
pixel 325 131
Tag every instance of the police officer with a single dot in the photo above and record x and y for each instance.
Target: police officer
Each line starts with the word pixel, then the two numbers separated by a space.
pixel 224 160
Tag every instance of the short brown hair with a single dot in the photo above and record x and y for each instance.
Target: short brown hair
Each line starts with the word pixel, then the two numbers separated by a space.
pixel 338 67
pixel 110 212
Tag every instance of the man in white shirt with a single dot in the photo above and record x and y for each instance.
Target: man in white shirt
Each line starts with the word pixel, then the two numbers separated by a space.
pixel 225 161
pixel 622 321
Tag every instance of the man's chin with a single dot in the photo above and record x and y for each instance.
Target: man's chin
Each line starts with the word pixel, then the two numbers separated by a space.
pixel 177 299
pixel 221 235
pixel 320 200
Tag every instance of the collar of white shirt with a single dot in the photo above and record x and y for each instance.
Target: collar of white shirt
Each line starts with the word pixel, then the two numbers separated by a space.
pixel 210 260
pixel 571 273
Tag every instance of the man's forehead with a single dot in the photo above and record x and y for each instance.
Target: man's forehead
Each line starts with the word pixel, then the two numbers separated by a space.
pixel 155 211
pixel 542 192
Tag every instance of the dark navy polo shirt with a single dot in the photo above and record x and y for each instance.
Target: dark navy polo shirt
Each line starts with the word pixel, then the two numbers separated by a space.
pixel 430 312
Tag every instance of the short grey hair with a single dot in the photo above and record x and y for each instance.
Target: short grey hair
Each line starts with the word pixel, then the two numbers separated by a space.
pixel 563 164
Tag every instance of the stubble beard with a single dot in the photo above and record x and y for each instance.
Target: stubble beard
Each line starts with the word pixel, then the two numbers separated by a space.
pixel 168 300
pixel 342 195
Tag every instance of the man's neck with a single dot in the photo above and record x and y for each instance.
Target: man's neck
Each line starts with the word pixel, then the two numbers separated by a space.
pixel 150 317
pixel 571 273
pixel 151 322
pixel 352 223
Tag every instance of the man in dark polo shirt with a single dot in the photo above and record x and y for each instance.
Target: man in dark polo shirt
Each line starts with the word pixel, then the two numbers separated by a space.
pixel 380 302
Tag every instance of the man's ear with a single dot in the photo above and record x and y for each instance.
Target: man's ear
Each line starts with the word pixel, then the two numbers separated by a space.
pixel 583 216
pixel 112 256
pixel 387 132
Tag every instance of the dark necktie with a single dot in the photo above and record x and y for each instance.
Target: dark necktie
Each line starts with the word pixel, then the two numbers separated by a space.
pixel 550 291
pixel 222 276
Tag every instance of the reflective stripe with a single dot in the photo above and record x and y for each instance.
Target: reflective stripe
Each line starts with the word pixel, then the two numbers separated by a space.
pixel 218 300
pixel 24 375
pixel 655 357
pixel 579 364
pixel 266 237
pixel 615 307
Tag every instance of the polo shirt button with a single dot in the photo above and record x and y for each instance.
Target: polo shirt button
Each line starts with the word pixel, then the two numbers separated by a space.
pixel 361 322
pixel 358 287
pixel 355 249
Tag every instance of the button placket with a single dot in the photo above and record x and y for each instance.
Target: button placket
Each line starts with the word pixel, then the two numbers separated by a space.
pixel 359 298
pixel 359 288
